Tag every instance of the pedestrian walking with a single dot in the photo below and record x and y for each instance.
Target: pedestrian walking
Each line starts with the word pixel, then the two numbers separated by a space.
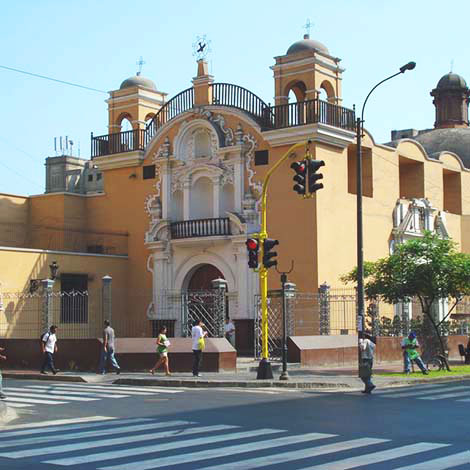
pixel 162 352
pixel 229 329
pixel 198 335
pixel 49 348
pixel 107 353
pixel 2 358
pixel 367 350
pixel 410 346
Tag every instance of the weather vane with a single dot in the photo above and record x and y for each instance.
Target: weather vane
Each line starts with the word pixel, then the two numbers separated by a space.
pixel 140 63
pixel 202 47
pixel 308 26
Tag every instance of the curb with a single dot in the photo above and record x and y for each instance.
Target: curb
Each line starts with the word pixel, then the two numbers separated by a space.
pixel 51 378
pixel 229 384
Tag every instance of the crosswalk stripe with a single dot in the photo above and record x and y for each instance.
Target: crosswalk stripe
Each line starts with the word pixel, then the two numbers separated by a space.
pixel 114 454
pixel 376 457
pixel 248 463
pixel 62 425
pixel 58 449
pixel 445 395
pixel 125 388
pixel 18 405
pixel 108 390
pixel 21 393
pixel 93 433
pixel 441 463
pixel 423 388
pixel 465 400
pixel 428 392
pixel 282 457
pixel 85 393
pixel 33 400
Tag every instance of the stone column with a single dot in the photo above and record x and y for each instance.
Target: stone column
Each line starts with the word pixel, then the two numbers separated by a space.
pixel 186 198
pixel 216 197
pixel 324 298
pixel 165 189
pixel 106 298
pixel 47 310
pixel 221 288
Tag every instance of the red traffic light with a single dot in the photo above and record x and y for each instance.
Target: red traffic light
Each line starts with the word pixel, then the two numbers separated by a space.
pixel 252 244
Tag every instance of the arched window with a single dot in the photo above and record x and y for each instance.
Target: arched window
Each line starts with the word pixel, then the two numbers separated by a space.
pixel 126 125
pixel 202 144
pixel 149 118
pixel 201 200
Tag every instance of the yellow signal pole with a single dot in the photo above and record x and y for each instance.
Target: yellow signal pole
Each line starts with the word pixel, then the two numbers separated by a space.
pixel 264 369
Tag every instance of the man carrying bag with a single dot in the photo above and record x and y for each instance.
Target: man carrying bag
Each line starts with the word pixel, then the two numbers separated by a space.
pixel 367 350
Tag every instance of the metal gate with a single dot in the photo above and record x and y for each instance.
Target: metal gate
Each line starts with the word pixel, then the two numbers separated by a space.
pixel 206 305
pixel 303 318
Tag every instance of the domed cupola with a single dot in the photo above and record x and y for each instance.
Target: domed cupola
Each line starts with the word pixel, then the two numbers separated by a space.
pixel 451 97
pixel 307 44
pixel 138 80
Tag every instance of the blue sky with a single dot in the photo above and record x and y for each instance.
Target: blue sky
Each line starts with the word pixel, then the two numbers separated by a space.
pixel 97 44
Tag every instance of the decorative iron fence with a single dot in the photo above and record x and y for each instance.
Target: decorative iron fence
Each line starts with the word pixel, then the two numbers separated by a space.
pixel 200 228
pixel 77 315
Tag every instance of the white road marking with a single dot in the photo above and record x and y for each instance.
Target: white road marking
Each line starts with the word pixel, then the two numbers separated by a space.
pixel 124 388
pixel 441 463
pixel 289 456
pixel 32 400
pixel 150 449
pixel 376 457
pixel 77 392
pixel 20 392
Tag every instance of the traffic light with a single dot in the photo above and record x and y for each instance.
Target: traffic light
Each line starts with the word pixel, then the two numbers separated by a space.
pixel 313 176
pixel 252 245
pixel 268 245
pixel 300 169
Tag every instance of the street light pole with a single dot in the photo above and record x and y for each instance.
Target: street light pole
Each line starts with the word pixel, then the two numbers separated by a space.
pixel 360 240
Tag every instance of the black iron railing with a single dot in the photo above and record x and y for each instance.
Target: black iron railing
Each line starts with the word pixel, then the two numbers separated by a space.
pixel 234 96
pixel 119 142
pixel 312 112
pixel 180 103
pixel 200 228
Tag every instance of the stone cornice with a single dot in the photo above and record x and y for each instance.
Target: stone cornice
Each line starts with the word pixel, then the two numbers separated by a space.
pixel 318 132
pixel 120 160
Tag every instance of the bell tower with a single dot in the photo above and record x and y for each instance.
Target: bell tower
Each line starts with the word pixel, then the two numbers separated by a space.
pixel 137 100
pixel 451 98
pixel 306 69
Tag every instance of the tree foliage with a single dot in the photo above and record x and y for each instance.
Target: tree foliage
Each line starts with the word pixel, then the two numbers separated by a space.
pixel 428 268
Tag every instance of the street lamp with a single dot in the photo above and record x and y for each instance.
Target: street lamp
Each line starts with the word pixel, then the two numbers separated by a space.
pixel 288 292
pixel 360 241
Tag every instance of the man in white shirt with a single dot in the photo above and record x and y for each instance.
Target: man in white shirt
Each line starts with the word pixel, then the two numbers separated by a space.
pixel 49 347
pixel 229 329
pixel 197 333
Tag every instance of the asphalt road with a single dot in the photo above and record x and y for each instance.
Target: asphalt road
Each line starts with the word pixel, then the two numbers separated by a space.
pixel 114 427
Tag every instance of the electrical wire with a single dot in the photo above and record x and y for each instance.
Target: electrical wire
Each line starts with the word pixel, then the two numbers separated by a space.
pixel 64 82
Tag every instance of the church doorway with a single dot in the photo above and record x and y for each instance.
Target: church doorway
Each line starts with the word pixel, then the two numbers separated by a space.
pixel 203 276
pixel 203 302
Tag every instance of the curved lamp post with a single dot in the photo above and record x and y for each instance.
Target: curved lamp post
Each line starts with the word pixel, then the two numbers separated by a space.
pixel 360 241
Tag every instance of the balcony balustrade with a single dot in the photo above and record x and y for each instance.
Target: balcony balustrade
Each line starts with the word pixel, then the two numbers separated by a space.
pixel 200 228
pixel 232 96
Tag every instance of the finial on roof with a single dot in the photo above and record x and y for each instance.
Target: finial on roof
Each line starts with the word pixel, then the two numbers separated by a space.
pixel 140 63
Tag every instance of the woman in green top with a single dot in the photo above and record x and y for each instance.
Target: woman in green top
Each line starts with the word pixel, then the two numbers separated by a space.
pixel 162 352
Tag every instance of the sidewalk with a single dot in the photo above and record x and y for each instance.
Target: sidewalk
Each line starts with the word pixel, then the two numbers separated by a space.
pixel 326 378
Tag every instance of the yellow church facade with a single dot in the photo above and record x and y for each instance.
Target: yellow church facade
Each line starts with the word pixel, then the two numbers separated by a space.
pixel 166 206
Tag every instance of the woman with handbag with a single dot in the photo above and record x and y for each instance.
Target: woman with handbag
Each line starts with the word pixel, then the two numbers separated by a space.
pixel 367 349
pixel 162 352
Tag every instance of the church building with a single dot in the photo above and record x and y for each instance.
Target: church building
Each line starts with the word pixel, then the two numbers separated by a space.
pixel 165 205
